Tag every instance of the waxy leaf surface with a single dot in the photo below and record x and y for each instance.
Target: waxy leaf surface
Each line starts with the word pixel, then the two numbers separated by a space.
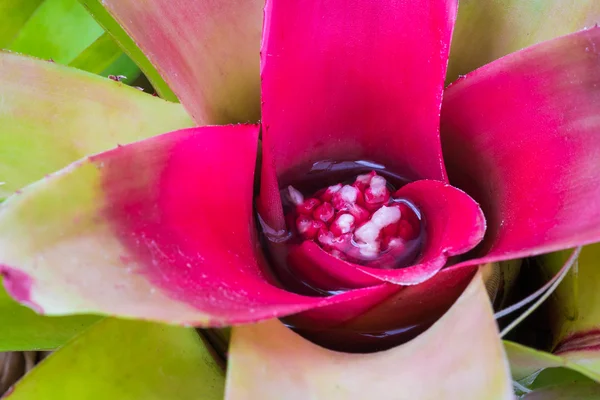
pixel 207 51
pixel 22 329
pixel 111 26
pixel 126 360
pixel 461 353
pixel 349 80
pixel 53 115
pixel 520 136
pixel 160 229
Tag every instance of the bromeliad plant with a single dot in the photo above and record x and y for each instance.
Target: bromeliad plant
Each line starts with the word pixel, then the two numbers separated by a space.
pixel 351 227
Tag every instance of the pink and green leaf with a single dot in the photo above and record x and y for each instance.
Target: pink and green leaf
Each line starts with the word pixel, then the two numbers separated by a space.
pixel 160 229
pixel 488 30
pixel 208 52
pixel 22 329
pixel 520 136
pixel 130 48
pixel 461 353
pixel 53 115
pixel 126 360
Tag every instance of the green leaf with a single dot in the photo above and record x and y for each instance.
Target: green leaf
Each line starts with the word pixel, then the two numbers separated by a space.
pixel 22 329
pixel 574 323
pixel 575 306
pixel 559 376
pixel 98 56
pixel 13 15
pixel 129 47
pixel 526 363
pixel 58 30
pixel 127 360
pixel 489 29
pixel 572 391
pixel 575 309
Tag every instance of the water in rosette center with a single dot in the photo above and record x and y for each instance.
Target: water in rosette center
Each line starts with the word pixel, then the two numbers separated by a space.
pixel 357 217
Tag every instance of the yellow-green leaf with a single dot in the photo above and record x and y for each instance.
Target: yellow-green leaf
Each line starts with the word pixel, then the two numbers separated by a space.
pixel 51 115
pixel 489 29
pixel 127 360
pixel 23 329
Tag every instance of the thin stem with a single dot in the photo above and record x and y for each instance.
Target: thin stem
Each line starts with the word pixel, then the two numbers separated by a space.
pixel 520 387
pixel 530 298
pixel 554 282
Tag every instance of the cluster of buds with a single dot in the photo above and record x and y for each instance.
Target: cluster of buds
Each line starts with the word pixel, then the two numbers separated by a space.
pixel 357 222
